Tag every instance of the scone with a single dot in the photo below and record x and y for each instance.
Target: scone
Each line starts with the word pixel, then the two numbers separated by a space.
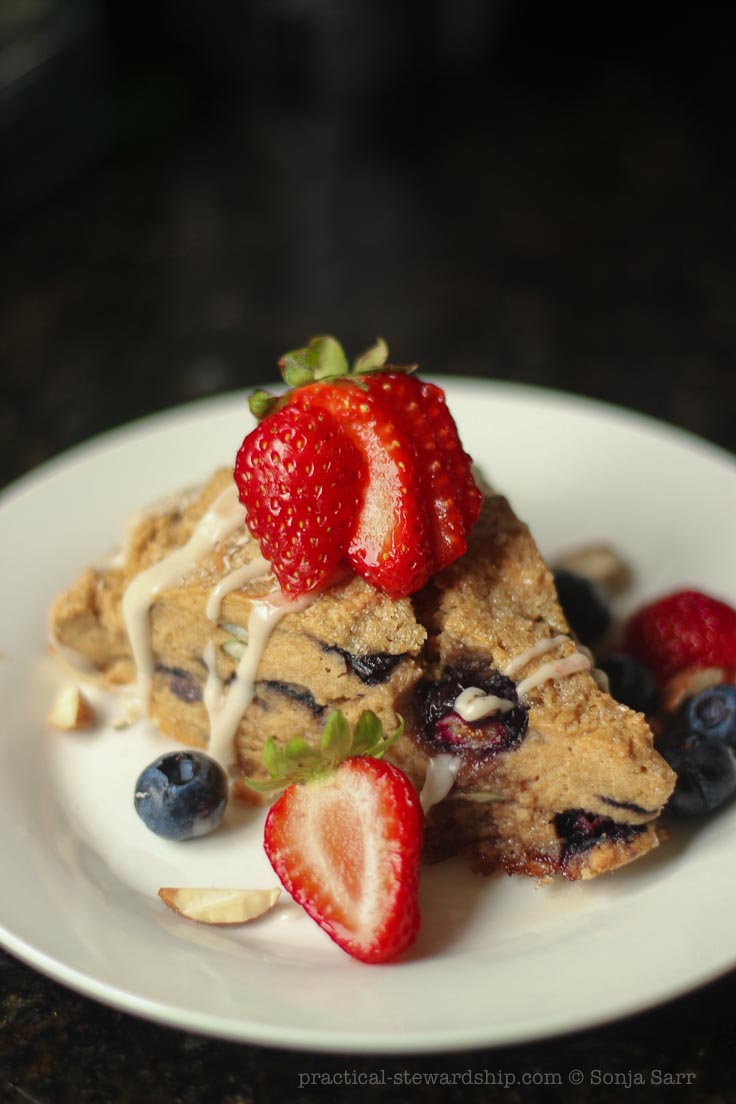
pixel 523 762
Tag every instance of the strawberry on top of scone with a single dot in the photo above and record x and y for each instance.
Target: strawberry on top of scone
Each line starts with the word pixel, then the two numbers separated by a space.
pixel 359 466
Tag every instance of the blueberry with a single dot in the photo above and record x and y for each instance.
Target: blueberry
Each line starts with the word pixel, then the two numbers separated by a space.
pixel 444 730
pixel 585 606
pixel 183 684
pixel 182 795
pixel 581 830
pixel 631 683
pixel 711 714
pixel 372 669
pixel 706 772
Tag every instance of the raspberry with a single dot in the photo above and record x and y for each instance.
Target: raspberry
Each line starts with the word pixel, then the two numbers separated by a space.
pixel 685 629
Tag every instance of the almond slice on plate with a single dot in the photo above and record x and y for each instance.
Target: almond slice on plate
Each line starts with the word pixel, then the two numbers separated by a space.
pixel 220 906
pixel 601 564
pixel 71 712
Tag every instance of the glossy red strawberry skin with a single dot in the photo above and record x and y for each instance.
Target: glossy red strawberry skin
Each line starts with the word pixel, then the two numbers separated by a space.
pixel 684 629
pixel 390 545
pixel 346 845
pixel 452 498
pixel 300 480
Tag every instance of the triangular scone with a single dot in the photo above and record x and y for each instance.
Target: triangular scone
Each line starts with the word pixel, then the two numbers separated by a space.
pixel 568 782
pixel 565 782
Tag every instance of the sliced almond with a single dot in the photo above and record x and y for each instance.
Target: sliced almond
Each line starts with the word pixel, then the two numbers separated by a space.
pixel 600 563
pixel 71 712
pixel 690 681
pixel 220 906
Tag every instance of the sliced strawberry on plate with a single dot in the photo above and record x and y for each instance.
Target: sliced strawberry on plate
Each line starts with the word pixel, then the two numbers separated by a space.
pixel 684 629
pixel 300 479
pixel 346 847
pixel 345 838
pixel 390 545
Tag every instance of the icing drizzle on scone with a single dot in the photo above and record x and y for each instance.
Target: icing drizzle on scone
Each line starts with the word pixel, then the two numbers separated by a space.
pixel 225 707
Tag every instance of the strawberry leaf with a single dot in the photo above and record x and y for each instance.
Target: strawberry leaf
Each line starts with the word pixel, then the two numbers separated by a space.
pixel 372 359
pixel 299 366
pixel 294 763
pixel 331 359
pixel 337 739
pixel 262 403
pixel 299 761
pixel 323 358
pixel 369 738
pixel 272 757
pixel 368 733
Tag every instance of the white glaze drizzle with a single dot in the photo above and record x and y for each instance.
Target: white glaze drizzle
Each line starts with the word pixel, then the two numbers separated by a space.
pixel 225 707
pixel 439 780
pixel 223 518
pixel 167 504
pixel 555 669
pixel 601 678
pixel 473 704
pixel 540 648
pixel 234 581
pixel 214 691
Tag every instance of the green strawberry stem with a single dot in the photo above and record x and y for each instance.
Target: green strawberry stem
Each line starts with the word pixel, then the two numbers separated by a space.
pixel 299 761
pixel 323 358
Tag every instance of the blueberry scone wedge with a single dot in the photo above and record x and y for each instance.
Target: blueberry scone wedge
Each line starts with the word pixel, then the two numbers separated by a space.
pixel 524 762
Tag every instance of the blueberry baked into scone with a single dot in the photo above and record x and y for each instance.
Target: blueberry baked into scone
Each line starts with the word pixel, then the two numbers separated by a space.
pixel 373 574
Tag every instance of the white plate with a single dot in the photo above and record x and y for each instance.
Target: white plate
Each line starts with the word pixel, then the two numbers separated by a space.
pixel 498 960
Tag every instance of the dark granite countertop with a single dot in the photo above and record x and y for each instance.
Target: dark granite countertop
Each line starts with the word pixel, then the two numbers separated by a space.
pixel 552 215
pixel 58 1048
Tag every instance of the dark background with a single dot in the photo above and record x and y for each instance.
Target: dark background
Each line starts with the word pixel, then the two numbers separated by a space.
pixel 526 191
pixel 518 190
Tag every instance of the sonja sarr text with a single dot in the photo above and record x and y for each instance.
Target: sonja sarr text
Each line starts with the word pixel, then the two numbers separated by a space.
pixel 628 1078
pixel 503 1079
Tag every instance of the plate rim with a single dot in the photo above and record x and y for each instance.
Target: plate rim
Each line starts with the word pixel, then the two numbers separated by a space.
pixel 116 435
pixel 315 1041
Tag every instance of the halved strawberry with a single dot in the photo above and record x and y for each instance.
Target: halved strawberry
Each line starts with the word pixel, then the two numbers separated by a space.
pixel 345 836
pixel 346 846
pixel 390 545
pixel 450 492
pixel 300 479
